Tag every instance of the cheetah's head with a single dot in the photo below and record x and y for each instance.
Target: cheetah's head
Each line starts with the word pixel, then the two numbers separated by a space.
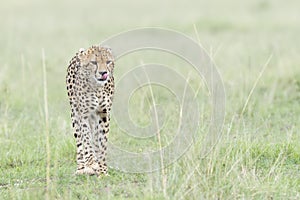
pixel 98 63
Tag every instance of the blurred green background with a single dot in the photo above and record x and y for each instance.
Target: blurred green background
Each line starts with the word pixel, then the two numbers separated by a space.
pixel 258 157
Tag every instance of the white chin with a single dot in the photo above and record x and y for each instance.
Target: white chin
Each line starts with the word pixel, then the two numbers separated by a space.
pixel 101 82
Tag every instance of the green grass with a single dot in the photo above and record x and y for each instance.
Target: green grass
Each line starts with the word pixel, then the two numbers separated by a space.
pixel 258 156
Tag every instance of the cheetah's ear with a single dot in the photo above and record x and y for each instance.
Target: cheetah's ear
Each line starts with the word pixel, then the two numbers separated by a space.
pixel 107 48
pixel 81 50
pixel 83 56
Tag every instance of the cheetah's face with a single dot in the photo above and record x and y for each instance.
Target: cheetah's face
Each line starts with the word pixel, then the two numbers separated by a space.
pixel 98 63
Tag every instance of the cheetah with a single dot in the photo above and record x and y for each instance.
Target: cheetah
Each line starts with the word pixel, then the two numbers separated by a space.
pixel 90 86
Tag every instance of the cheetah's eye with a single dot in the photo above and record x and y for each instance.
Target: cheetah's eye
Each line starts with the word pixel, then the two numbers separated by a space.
pixel 94 62
pixel 108 62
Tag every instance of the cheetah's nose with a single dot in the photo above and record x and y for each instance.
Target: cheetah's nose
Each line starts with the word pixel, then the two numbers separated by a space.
pixel 103 75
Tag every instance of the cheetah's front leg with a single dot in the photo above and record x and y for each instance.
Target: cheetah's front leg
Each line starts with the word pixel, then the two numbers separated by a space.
pixel 102 131
pixel 89 159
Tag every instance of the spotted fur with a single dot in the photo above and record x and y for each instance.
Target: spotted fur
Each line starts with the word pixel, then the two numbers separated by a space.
pixel 90 86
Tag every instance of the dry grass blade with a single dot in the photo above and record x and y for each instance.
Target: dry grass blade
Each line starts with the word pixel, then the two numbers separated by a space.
pixel 46 124
pixel 163 172
pixel 255 84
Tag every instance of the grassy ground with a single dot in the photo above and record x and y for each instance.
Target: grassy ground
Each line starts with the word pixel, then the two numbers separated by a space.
pixel 258 156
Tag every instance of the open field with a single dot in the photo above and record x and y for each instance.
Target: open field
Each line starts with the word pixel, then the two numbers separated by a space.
pixel 258 156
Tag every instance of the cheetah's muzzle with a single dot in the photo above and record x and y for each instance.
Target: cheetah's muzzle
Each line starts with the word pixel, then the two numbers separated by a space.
pixel 104 76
